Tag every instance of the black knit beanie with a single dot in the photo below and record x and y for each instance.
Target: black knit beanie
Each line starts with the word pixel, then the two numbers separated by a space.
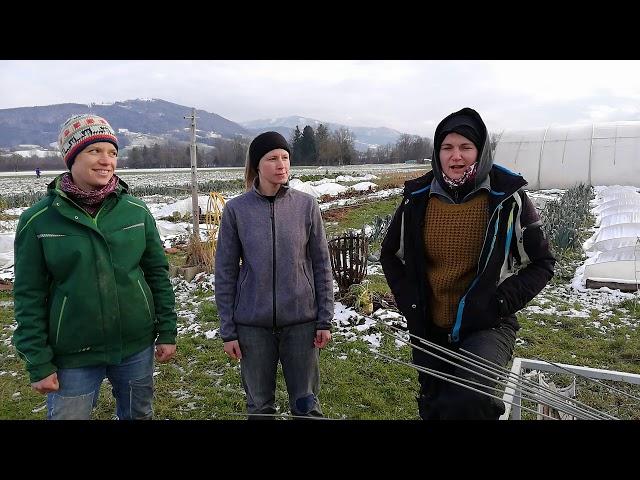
pixel 264 143
pixel 464 125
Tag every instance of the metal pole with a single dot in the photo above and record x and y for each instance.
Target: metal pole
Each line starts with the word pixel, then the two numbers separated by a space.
pixel 194 177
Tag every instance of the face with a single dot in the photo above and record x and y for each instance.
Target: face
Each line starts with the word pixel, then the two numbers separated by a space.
pixel 457 153
pixel 94 166
pixel 273 168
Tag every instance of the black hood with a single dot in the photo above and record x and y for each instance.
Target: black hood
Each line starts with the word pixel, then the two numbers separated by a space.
pixel 463 121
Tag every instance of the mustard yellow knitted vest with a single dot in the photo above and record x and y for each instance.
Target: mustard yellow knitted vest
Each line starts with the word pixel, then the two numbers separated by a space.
pixel 453 235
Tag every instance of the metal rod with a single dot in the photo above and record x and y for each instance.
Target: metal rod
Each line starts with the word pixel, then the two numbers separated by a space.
pixel 557 401
pixel 537 391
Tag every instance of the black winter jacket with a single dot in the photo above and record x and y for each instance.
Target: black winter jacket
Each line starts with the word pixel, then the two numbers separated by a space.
pixel 514 265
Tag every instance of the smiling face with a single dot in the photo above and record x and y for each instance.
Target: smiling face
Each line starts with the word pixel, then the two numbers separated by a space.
pixel 94 166
pixel 457 154
pixel 273 170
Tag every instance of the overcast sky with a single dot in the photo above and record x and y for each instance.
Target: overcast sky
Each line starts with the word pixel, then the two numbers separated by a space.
pixel 409 96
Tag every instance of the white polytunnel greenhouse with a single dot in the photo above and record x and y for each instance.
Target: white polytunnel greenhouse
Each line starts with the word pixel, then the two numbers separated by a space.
pixel 564 156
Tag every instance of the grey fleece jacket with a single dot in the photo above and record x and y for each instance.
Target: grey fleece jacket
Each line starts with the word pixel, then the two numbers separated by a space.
pixel 265 290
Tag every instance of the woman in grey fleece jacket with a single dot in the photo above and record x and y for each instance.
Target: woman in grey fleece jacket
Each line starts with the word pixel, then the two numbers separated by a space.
pixel 274 288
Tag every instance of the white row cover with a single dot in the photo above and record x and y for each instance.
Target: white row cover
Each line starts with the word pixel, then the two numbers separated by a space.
pixel 618 218
pixel 618 202
pixel 619 265
pixel 614 248
pixel 564 156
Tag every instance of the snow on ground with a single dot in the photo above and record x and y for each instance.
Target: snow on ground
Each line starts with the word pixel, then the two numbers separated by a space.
pixel 348 324
pixel 574 300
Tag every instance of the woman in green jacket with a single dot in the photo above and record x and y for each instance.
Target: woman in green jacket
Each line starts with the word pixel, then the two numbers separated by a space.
pixel 92 291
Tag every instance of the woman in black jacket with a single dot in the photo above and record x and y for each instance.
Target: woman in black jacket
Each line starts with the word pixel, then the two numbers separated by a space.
pixel 463 253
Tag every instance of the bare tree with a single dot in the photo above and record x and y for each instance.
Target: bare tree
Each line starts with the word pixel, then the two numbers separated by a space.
pixel 494 138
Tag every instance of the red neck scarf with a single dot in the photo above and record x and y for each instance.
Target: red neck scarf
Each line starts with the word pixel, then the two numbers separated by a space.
pixel 90 201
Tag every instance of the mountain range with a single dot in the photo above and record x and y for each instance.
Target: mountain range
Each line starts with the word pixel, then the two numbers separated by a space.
pixel 148 121
pixel 365 137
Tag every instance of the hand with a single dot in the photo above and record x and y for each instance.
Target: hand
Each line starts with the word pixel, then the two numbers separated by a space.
pixel 232 349
pixel 47 384
pixel 322 338
pixel 165 352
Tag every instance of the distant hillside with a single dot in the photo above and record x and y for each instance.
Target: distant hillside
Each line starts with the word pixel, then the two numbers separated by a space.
pixel 148 121
pixel 154 118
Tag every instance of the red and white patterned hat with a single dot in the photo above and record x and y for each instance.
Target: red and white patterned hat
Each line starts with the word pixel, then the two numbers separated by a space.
pixel 82 130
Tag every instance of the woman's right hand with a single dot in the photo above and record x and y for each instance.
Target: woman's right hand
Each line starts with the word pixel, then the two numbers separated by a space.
pixel 232 349
pixel 47 384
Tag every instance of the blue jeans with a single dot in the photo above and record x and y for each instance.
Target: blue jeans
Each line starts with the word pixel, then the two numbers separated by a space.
pixel 132 387
pixel 293 346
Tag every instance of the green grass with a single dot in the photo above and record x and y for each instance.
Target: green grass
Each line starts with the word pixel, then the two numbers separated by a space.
pixel 377 283
pixel 178 259
pixel 356 217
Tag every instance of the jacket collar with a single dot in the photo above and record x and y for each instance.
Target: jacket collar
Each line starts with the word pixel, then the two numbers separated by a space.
pixel 437 189
pixel 500 181
pixel 282 191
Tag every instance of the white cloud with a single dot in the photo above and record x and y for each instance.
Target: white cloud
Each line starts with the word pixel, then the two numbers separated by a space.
pixel 410 96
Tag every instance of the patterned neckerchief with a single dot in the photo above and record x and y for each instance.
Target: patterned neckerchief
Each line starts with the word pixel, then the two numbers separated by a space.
pixel 468 174
pixel 90 201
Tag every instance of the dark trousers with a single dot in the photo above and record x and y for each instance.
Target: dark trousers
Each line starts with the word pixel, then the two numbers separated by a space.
pixel 262 348
pixel 442 400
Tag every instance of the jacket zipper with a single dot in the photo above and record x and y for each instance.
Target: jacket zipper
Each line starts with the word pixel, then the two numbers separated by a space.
pixel 273 256
pixel 95 222
pixel 64 301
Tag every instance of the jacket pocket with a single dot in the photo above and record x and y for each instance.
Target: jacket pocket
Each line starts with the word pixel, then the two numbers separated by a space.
pixel 239 291
pixel 309 282
pixel 60 317
pixel 146 301
pixel 71 330
pixel 481 311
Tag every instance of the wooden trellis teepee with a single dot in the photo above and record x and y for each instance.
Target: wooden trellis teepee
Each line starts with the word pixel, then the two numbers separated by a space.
pixel 348 255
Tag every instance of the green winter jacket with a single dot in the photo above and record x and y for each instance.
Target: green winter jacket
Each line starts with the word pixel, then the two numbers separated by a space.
pixel 89 291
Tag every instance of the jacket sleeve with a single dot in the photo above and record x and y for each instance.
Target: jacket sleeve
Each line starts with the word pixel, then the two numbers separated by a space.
pixel 155 266
pixel 31 288
pixel 518 290
pixel 228 252
pixel 322 274
pixel 392 260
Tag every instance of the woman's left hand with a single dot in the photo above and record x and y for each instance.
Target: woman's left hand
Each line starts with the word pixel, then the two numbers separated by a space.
pixel 322 338
pixel 165 352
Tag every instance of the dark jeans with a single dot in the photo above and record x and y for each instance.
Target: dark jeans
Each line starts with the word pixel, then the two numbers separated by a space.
pixel 293 347
pixel 442 400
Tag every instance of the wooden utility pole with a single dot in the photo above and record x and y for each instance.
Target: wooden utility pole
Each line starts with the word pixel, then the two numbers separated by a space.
pixel 195 210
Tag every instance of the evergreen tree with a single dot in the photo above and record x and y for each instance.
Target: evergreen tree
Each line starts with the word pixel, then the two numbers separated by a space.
pixel 308 148
pixel 296 147
pixel 134 160
pixel 322 144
